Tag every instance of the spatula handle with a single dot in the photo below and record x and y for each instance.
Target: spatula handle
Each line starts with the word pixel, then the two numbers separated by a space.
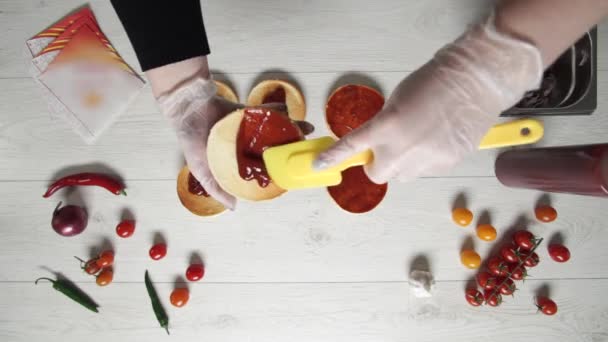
pixel 517 132
pixel 362 158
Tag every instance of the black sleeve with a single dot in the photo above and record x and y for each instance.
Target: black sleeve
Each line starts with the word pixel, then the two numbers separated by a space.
pixel 163 32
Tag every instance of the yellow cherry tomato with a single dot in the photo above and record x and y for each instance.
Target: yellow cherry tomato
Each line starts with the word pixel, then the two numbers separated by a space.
pixel 470 259
pixel 462 216
pixel 486 232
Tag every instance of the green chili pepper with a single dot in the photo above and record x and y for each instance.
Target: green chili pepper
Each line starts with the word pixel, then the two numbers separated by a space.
pixel 159 311
pixel 68 289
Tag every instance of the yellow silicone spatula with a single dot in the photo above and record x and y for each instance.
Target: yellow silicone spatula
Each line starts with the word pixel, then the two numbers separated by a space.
pixel 512 133
pixel 290 166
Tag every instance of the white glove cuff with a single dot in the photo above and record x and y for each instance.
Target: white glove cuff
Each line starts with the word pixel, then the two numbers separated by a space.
pixel 193 94
pixel 504 67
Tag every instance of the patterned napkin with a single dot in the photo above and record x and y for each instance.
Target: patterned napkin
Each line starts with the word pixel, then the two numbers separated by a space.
pixel 85 81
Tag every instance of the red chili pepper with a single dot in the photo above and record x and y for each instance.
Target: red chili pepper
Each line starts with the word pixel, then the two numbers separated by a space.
pixel 95 179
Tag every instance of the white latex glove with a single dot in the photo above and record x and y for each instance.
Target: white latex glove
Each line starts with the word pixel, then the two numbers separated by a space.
pixel 193 108
pixel 440 113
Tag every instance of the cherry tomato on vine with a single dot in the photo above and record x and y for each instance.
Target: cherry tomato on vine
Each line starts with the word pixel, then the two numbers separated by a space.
pixel 91 267
pixel 462 216
pixel 545 213
pixel 510 253
pixel 492 297
pixel 517 273
pixel 486 280
pixel 531 260
pixel 195 272
pixel 179 297
pixel 486 232
pixel 498 267
pixel 559 253
pixel 105 259
pixel 125 228
pixel 158 251
pixel 474 297
pixel 508 287
pixel 524 239
pixel 546 306
pixel 105 277
pixel 470 259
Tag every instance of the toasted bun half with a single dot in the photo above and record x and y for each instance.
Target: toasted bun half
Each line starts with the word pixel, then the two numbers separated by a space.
pixel 223 90
pixel 222 157
pixel 198 205
pixel 296 106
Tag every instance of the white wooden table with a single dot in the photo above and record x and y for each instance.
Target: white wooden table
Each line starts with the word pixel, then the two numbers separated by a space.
pixel 298 268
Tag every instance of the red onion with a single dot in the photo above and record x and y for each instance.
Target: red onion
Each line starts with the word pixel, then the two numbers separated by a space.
pixel 70 220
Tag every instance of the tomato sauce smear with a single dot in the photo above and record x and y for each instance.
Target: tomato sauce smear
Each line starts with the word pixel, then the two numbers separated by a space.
pixel 276 96
pixel 348 108
pixel 195 188
pixel 260 129
pixel 357 193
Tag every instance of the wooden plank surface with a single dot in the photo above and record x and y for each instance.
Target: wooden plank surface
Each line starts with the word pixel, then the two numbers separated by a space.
pixel 304 312
pixel 304 36
pixel 297 268
pixel 302 236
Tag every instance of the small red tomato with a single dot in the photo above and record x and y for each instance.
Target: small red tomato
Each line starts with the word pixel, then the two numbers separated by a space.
pixel 125 228
pixel 195 272
pixel 105 277
pixel 517 273
pixel 474 297
pixel 546 306
pixel 524 239
pixel 492 297
pixel 158 251
pixel 498 267
pixel 559 253
pixel 530 260
pixel 545 213
pixel 105 259
pixel 507 288
pixel 179 297
pixel 91 267
pixel 510 253
pixel 486 280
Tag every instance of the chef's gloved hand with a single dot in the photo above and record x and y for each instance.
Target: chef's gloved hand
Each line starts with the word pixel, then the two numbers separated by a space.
pixel 193 108
pixel 441 112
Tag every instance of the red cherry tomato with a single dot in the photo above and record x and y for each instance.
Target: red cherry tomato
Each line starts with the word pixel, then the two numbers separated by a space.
pixel 531 260
pixel 498 267
pixel 474 297
pixel 125 228
pixel 492 297
pixel 559 253
pixel 105 259
pixel 524 239
pixel 510 253
pixel 179 297
pixel 486 280
pixel 105 277
pixel 517 273
pixel 158 251
pixel 195 272
pixel 545 213
pixel 546 306
pixel 91 267
pixel 508 287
